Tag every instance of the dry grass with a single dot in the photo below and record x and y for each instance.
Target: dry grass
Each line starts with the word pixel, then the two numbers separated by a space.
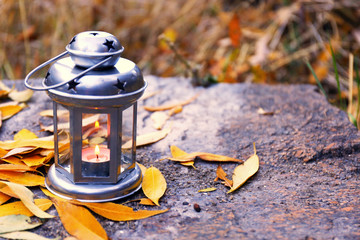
pixel 170 38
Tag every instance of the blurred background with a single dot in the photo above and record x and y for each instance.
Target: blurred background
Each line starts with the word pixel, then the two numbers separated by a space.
pixel 260 41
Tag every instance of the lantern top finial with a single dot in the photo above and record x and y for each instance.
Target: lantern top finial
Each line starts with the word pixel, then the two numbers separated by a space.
pixel 88 48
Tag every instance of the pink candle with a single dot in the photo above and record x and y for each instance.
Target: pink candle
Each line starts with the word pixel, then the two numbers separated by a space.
pixel 95 161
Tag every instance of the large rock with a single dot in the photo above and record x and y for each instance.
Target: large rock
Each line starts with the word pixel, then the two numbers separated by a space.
pixel 307 185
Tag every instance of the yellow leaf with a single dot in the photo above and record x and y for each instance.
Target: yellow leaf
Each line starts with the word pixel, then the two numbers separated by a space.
pixel 4 198
pixel 79 222
pixel 89 121
pixel 13 223
pixel 175 110
pixel 168 35
pixel 20 96
pixel 51 195
pixel 118 212
pixel 9 111
pixel 159 119
pixel 15 168
pixel 188 164
pixel 178 153
pixel 170 106
pixel 20 150
pixel 7 145
pixel 147 138
pixel 13 160
pixel 142 167
pixel 146 201
pixel 26 196
pixel 19 208
pixel 24 134
pixel 154 184
pixel 26 179
pixel 244 171
pixel 25 236
pixel 181 156
pixel 220 173
pixel 34 160
pixel 207 189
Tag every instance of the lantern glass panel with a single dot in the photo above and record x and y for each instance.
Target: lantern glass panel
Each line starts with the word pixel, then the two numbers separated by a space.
pixel 95 152
pixel 61 129
pixel 128 137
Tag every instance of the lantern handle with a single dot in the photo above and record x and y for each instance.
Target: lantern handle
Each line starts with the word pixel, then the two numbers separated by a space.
pixel 27 84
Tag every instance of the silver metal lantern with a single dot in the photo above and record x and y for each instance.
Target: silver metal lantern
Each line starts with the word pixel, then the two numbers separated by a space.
pixel 94 93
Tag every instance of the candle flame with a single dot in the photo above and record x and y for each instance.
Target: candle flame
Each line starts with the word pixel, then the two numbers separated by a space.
pixel 97 150
pixel 97 125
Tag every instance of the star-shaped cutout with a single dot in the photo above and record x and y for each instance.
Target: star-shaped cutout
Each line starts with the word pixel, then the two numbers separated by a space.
pixel 94 34
pixel 120 85
pixel 72 85
pixel 72 40
pixel 109 44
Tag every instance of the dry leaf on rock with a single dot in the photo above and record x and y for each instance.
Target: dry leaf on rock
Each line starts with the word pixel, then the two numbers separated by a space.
pixel 207 190
pixel 220 173
pixel 170 106
pixel 147 138
pixel 142 167
pixel 10 110
pixel 20 96
pixel 244 171
pixel 178 153
pixel 13 223
pixel 19 208
pixel 24 235
pixel 175 110
pixel 23 178
pixel 27 197
pixel 146 201
pixel 79 222
pixel 159 119
pixel 154 184
pixel 181 156
pixel 24 134
pixel 118 212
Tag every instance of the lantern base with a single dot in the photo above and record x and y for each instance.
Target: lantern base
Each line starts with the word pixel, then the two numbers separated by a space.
pixel 63 187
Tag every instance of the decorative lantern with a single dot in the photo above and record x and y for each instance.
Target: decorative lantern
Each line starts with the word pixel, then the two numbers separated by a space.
pixel 94 88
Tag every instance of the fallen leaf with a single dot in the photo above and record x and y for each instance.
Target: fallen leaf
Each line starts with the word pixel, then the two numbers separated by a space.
pixel 24 134
pixel 146 201
pixel 7 145
pixel 244 171
pixel 35 160
pixel 26 179
pixel 13 223
pixel 235 30
pixel 182 156
pixel 207 189
pixel 9 111
pixel 15 168
pixel 175 110
pixel 20 150
pixel 220 173
pixel 26 196
pixel 170 106
pixel 19 208
pixel 159 119
pixel 147 138
pixel 261 111
pixel 24 235
pixel 20 96
pixel 4 198
pixel 50 113
pixel 178 153
pixel 154 184
pixel 118 212
pixel 78 221
pixel 142 167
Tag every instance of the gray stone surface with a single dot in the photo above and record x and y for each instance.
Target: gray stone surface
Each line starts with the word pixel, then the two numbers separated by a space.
pixel 307 185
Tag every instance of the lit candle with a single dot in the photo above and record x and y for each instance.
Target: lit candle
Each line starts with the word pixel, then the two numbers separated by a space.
pixel 95 161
